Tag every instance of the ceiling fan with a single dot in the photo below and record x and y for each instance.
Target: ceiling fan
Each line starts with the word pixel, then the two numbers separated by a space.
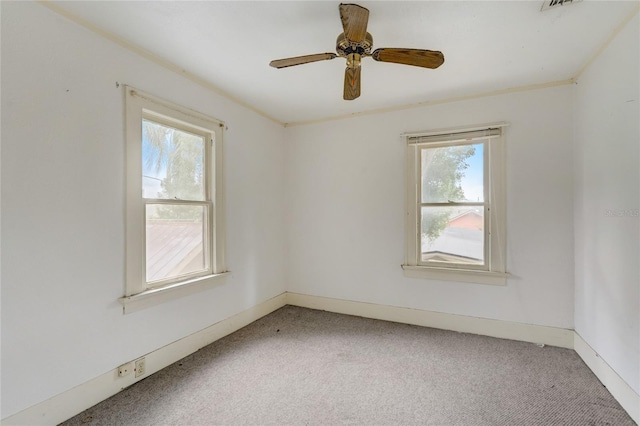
pixel 355 43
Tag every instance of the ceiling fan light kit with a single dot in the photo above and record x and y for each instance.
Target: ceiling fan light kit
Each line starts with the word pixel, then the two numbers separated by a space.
pixel 355 43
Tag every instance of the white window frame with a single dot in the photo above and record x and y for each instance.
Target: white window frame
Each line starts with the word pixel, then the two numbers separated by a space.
pixel 138 293
pixel 494 270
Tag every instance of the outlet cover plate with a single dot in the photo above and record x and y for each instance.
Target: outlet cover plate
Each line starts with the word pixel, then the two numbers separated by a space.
pixel 125 369
pixel 140 367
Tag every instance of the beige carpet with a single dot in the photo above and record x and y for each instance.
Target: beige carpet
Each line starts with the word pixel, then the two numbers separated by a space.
pixel 299 366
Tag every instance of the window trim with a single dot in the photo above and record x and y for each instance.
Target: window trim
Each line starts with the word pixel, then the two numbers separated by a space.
pixel 139 106
pixel 494 272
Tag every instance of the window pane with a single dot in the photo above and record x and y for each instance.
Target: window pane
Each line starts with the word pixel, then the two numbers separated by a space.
pixel 452 234
pixel 172 163
pixel 176 236
pixel 452 173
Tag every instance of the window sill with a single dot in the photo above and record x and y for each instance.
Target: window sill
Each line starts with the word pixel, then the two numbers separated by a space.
pixel 460 275
pixel 155 296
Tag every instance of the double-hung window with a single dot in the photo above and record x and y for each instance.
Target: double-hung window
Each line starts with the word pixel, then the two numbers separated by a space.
pixel 174 212
pixel 455 227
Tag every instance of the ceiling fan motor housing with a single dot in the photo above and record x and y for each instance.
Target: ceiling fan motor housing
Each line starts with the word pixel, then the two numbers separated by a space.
pixel 344 47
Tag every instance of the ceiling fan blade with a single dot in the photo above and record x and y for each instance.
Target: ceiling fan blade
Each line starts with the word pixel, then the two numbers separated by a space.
pixel 351 83
pixel 416 57
pixel 354 21
pixel 299 60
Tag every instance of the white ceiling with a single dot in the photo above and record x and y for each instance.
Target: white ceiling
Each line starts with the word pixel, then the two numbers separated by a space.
pixel 488 46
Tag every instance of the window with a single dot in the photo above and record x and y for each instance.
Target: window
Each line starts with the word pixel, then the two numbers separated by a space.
pixel 456 205
pixel 174 214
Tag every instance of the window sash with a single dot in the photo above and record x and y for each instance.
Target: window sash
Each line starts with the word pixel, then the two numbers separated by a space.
pixel 207 245
pixel 457 139
pixel 456 265
pixel 209 141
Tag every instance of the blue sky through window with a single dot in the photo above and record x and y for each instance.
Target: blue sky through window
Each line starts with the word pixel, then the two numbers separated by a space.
pixel 152 175
pixel 473 180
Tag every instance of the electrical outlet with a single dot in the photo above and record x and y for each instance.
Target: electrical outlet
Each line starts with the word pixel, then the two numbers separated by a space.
pixel 125 369
pixel 140 367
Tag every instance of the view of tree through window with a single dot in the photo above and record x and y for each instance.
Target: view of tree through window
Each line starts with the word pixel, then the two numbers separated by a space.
pixel 173 163
pixel 452 203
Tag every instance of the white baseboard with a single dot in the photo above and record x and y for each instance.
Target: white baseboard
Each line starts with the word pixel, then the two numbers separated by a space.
pixel 67 404
pixel 620 390
pixel 539 334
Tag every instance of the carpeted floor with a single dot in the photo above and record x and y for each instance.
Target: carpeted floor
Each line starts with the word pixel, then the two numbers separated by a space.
pixel 299 366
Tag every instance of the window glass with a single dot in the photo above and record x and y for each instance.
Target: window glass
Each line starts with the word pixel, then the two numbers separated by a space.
pixel 172 163
pixel 453 234
pixel 452 208
pixel 452 173
pixel 175 240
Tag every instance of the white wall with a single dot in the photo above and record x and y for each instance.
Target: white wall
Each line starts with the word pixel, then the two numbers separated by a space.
pixel 63 208
pixel 607 248
pixel 345 210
